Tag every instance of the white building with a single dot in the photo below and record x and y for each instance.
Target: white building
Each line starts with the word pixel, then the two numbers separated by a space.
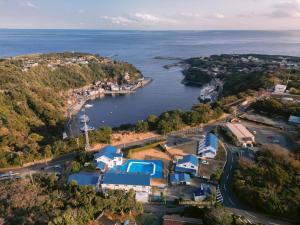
pixel 140 183
pixel 188 164
pixel 108 157
pixel 208 147
pixel 279 89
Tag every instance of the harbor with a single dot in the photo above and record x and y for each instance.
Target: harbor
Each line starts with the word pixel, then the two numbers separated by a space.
pixel 79 97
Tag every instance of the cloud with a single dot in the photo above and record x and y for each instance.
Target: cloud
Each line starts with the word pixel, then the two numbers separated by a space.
pixel 117 20
pixel 28 4
pixel 188 16
pixel 147 17
pixel 136 19
pixel 285 9
pixel 219 16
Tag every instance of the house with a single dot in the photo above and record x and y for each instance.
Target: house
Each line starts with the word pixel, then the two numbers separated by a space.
pixel 207 148
pixel 140 183
pixel 241 134
pixel 202 193
pixel 180 178
pixel 85 179
pixel 188 164
pixel 294 120
pixel 178 220
pixel 108 157
pixel 279 89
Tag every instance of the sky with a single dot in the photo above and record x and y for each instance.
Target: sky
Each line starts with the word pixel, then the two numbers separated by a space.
pixel 151 14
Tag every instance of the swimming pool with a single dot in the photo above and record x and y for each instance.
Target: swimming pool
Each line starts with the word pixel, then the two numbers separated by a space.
pixel 141 167
pixel 152 167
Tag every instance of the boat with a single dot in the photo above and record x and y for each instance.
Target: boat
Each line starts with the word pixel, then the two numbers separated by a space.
pixel 84 119
pixel 206 93
pixel 89 128
pixel 88 106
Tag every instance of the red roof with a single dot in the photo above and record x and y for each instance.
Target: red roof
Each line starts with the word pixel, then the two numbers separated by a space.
pixel 178 220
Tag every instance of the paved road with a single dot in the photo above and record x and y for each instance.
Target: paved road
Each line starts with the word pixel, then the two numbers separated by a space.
pixel 229 198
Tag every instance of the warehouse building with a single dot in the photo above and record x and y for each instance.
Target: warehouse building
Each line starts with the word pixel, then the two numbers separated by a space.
pixel 241 134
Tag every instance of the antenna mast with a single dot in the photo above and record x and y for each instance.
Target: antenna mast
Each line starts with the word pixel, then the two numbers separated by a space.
pixel 87 140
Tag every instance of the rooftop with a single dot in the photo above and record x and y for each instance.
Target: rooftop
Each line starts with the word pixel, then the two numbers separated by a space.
pixel 185 170
pixel 294 119
pixel 85 178
pixel 109 152
pixel 211 140
pixel 179 177
pixel 239 130
pixel 178 220
pixel 189 158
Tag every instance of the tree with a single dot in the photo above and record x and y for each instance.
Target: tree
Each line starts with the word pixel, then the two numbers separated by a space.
pixel 141 126
pixel 152 122
pixel 218 216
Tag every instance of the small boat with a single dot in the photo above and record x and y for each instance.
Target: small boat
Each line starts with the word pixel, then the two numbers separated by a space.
pixel 110 112
pixel 84 119
pixel 89 128
pixel 103 121
pixel 88 106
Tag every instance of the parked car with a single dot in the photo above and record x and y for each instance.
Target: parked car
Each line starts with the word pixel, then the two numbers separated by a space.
pixel 204 162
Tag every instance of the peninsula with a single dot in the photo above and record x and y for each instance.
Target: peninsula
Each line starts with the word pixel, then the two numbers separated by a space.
pixel 37 90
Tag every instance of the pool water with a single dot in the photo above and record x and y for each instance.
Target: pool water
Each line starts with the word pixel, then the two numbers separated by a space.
pixel 141 167
pixel 152 167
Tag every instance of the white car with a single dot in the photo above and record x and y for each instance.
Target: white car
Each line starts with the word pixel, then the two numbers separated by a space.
pixel 204 162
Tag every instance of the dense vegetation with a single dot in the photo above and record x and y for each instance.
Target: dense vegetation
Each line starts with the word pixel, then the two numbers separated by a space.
pixel 33 102
pixel 196 76
pixel 243 72
pixel 275 107
pixel 272 183
pixel 176 119
pixel 42 200
pixel 217 215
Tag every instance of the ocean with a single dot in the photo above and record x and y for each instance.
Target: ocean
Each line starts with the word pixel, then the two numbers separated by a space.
pixel 140 48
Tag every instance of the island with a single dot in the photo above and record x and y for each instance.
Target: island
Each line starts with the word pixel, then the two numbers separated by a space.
pixel 38 91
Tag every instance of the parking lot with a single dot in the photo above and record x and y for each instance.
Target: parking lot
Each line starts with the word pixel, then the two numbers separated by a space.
pixel 186 192
pixel 269 135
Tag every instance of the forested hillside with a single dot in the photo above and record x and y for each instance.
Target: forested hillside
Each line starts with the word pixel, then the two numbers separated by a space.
pixel 271 184
pixel 33 98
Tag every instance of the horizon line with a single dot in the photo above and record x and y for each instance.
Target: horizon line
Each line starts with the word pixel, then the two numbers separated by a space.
pixel 150 30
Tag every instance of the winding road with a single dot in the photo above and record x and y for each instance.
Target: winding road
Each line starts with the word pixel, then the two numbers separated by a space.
pixel 230 200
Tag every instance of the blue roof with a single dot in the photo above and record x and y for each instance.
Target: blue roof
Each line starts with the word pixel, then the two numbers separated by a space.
pixel 189 158
pixel 100 165
pixel 211 140
pixel 85 178
pixel 185 170
pixel 179 177
pixel 126 179
pixel 109 152
pixel 294 119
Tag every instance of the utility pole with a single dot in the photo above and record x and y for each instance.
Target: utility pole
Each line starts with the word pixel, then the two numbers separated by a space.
pixel 87 140
pixel 288 78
